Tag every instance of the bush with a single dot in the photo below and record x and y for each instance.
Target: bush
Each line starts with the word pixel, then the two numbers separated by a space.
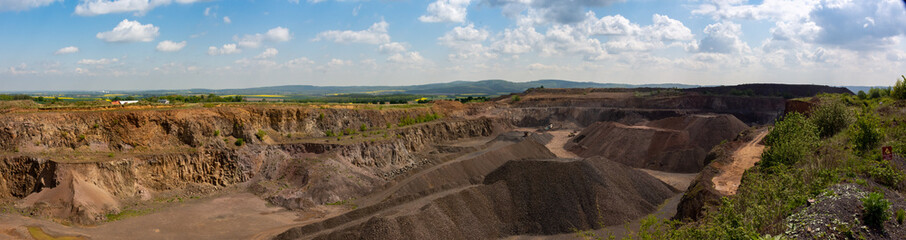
pixel 791 140
pixel 329 133
pixel 261 134
pixel 901 215
pixel 239 142
pixel 862 95
pixel 831 118
pixel 216 133
pixel 899 89
pixel 875 207
pixel 516 98
pixel 885 174
pixel 363 128
pixel 865 132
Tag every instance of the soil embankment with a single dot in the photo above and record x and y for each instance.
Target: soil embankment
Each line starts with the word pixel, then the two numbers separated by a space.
pixel 723 174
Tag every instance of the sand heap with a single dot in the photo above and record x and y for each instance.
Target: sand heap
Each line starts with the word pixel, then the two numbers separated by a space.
pixel 676 144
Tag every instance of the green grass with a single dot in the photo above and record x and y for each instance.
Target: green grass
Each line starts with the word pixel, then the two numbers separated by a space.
pixel 38 233
pixel 128 213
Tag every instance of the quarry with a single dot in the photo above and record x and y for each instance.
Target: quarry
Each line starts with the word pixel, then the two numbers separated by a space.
pixel 541 164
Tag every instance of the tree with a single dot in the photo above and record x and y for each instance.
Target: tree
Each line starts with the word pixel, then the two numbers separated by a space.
pixel 899 89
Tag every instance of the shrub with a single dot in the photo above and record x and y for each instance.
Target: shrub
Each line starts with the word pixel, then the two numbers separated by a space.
pixel 831 118
pixel 862 95
pixel 239 141
pixel 516 98
pixel 865 132
pixel 81 137
pixel 885 174
pixel 791 140
pixel 216 133
pixel 321 117
pixel 261 134
pixel 901 215
pixel 363 128
pixel 329 133
pixel 875 207
pixel 899 89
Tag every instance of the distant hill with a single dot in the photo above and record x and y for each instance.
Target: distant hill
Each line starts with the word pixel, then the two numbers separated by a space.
pixel 484 87
pixel 769 89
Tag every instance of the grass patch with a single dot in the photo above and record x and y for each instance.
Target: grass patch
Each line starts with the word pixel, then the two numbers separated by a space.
pixel 38 234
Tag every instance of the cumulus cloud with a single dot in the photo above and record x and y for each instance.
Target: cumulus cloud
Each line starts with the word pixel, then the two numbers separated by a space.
pixel 227 20
pixel 226 49
pixel 277 34
pixel 102 61
pixel 376 34
pixel 22 5
pixel 463 34
pixel 556 11
pixel 67 50
pixel 130 31
pixel 140 7
pixel 409 58
pixel 170 46
pixel 627 36
pixel 723 37
pixel 268 53
pixel 446 11
pixel 860 25
pixel 392 47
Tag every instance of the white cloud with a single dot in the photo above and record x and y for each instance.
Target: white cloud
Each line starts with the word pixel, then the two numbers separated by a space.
pixel 22 5
pixel 723 37
pixel 392 47
pixel 299 63
pixel 268 53
pixel 446 11
pixel 277 34
pixel 67 50
pixel 376 34
pixel 627 36
pixel 170 46
pixel 207 12
pixel 102 61
pixel 20 70
pixel 556 11
pixel 227 20
pixel 130 31
pixel 410 58
pixel 462 34
pixel 140 7
pixel 226 49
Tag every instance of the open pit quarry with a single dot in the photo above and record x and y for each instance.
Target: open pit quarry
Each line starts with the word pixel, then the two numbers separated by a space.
pixel 554 162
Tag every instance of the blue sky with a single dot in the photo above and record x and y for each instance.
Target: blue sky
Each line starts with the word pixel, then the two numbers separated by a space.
pixel 176 44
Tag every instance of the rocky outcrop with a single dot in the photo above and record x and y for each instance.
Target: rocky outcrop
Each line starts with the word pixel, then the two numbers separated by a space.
pixel 165 129
pixel 628 108
pixel 673 144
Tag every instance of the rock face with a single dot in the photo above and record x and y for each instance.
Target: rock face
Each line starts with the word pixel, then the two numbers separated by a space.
pixel 57 158
pixel 677 144
pixel 520 197
pixel 605 105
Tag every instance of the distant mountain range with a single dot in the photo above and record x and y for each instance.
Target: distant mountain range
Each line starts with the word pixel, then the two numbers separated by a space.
pixel 485 87
pixel 460 88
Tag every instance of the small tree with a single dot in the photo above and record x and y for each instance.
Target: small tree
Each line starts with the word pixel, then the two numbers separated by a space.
pixel 865 132
pixel 516 98
pixel 875 207
pixel 831 118
pixel 899 89
pixel 790 141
